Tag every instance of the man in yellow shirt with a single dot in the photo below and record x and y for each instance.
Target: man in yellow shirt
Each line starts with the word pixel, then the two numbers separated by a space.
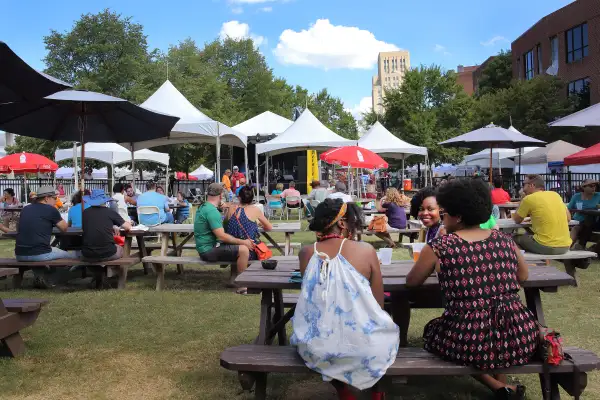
pixel 549 219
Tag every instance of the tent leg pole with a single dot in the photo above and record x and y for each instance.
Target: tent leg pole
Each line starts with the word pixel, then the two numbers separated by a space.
pixel 402 175
pixel 246 164
pixel 267 172
pixel 491 163
pixel 257 172
pixel 167 182
pixel 132 169
pixel 218 177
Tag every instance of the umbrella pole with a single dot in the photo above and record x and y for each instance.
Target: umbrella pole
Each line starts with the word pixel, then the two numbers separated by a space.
pixel 82 121
pixel 75 165
pixel 402 175
pixel 491 163
pixel 132 169
pixel 167 182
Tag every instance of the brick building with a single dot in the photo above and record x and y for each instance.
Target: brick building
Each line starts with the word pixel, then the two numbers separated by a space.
pixel 468 77
pixel 566 44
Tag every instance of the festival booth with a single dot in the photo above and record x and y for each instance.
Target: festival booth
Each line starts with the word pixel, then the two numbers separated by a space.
pixel 548 158
pixel 585 161
pixel 306 133
pixel 381 141
pixel 202 173
pixel 193 125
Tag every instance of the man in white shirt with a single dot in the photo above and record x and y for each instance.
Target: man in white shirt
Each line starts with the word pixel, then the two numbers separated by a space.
pixel 339 193
pixel 318 193
pixel 119 197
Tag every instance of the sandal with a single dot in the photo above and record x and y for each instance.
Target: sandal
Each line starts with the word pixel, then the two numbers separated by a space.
pixel 242 291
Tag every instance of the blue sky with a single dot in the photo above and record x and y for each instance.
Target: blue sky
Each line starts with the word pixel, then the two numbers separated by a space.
pixel 314 43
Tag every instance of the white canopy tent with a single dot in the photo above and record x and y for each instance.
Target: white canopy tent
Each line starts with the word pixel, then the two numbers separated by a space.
pixel 193 126
pixel 266 124
pixel 383 142
pixel 113 154
pixel 306 133
pixel 202 173
pixel 69 172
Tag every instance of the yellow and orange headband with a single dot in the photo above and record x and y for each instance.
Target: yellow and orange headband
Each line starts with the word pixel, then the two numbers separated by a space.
pixel 339 216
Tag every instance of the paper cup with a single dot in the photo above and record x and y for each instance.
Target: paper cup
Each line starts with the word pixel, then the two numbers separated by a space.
pixel 385 256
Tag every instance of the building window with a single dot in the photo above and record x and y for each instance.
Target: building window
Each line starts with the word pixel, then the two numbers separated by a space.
pixel 577 43
pixel 539 59
pixel 581 89
pixel 554 50
pixel 528 64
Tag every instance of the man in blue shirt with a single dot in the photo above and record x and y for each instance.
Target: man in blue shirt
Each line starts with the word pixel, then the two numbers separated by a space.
pixel 152 198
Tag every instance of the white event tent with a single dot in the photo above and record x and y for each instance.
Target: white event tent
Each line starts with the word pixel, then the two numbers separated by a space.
pixel 202 173
pixel 306 133
pixel 267 124
pixel 193 126
pixel 112 154
pixel 383 142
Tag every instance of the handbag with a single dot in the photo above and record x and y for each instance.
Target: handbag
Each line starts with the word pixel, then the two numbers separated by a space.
pixel 261 249
pixel 378 224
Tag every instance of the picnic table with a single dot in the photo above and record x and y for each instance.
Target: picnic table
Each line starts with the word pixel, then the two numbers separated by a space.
pixel 505 224
pixel 509 205
pixel 271 283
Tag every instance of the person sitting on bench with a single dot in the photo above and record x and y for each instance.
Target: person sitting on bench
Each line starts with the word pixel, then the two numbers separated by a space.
pixel 154 199
pixel 549 219
pixel 34 232
pixel 484 325
pixel 393 207
pixel 424 207
pixel 212 243
pixel 100 226
pixel 342 291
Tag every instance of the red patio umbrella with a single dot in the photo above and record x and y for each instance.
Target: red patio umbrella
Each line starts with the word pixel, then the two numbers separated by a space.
pixel 26 163
pixel 354 157
pixel 182 176
pixel 591 155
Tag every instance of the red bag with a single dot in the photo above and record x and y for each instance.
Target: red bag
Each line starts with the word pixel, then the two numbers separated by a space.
pixel 119 240
pixel 261 249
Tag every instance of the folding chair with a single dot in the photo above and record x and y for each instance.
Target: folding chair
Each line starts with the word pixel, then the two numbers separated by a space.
pixel 274 204
pixel 297 206
pixel 149 211
pixel 196 196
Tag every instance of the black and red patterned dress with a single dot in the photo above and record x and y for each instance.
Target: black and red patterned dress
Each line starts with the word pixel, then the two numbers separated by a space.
pixel 485 324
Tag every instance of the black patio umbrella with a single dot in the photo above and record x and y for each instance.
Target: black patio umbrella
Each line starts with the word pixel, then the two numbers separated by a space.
pixel 20 82
pixel 83 116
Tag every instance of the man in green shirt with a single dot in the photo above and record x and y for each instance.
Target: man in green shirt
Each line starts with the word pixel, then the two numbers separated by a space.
pixel 212 243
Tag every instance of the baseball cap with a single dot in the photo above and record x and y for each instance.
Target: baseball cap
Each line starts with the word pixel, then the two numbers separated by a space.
pixel 235 168
pixel 214 189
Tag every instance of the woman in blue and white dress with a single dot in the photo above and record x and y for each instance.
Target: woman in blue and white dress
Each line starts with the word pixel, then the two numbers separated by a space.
pixel 339 326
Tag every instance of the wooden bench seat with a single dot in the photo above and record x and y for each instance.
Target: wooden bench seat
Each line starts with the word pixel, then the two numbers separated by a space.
pixel 111 268
pixel 28 309
pixel 569 255
pixel 258 360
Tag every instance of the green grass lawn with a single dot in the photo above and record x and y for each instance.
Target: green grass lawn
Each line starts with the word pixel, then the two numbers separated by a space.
pixel 140 344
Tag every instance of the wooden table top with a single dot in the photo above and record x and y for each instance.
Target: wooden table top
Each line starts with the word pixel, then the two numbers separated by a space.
pixel 287 227
pixel 394 276
pixel 509 223
pixel 510 205
pixel 590 211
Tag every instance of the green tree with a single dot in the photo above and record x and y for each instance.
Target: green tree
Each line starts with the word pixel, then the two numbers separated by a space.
pixel 103 52
pixel 531 104
pixel 330 111
pixel 46 148
pixel 497 74
pixel 428 108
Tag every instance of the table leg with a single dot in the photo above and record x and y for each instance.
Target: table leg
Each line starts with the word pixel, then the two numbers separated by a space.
pixel 274 243
pixel 127 247
pixel 177 252
pixel 164 244
pixel 266 303
pixel 278 315
pixel 288 240
pixel 534 303
pixel 401 315
pixel 143 252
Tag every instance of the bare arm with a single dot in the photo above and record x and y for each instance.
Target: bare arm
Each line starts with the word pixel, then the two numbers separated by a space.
pixel 62 226
pixel 568 215
pixel 130 200
pixel 304 257
pixel 522 268
pixel 264 222
pixel 126 226
pixel 227 238
pixel 518 219
pixel 423 268
pixel 376 277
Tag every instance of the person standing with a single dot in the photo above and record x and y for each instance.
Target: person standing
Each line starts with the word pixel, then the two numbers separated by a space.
pixel 226 181
pixel 549 219
pixel 236 179
pixel 484 324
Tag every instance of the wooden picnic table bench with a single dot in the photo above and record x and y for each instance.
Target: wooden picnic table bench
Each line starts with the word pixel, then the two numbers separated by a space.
pixel 256 361
pixel 16 314
pixel 509 224
pixel 271 283
pixel 109 268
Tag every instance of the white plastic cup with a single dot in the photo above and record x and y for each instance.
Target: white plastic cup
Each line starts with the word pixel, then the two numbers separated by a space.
pixel 579 205
pixel 416 250
pixel 385 256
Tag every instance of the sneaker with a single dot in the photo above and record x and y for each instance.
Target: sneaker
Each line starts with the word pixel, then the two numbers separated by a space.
pixel 39 282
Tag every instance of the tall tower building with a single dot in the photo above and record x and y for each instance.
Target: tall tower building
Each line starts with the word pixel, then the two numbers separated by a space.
pixel 391 67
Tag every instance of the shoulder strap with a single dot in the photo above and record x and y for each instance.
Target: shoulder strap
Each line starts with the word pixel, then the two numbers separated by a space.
pixel 341 245
pixel 237 217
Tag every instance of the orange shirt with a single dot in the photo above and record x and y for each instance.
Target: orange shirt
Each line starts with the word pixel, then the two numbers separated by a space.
pixel 58 204
pixel 226 182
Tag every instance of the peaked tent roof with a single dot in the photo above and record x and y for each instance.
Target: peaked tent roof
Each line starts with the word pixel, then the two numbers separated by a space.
pixel 307 133
pixel 553 152
pixel 267 123
pixel 492 136
pixel 202 173
pixel 193 126
pixel 112 153
pixel 381 141
pixel 589 116
pixel 591 155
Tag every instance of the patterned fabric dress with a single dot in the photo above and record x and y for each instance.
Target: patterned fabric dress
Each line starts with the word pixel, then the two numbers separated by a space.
pixel 241 227
pixel 485 325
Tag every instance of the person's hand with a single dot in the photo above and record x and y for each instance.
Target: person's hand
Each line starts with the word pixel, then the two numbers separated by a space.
pixel 249 244
pixel 116 230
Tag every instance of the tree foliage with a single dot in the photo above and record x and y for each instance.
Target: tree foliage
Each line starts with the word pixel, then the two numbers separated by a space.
pixel 497 74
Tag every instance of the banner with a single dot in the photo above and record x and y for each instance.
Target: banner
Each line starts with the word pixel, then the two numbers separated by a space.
pixel 312 169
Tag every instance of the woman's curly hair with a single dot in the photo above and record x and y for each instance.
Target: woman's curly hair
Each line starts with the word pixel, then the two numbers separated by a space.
pixel 328 210
pixel 469 199
pixel 417 200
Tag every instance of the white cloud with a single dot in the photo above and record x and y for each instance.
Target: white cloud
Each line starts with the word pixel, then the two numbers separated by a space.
pixel 328 46
pixel 238 31
pixel 364 106
pixel 266 9
pixel 494 40
pixel 438 48
pixel 237 10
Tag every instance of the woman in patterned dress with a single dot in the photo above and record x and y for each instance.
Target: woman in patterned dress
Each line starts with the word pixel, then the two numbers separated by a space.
pixel 484 325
